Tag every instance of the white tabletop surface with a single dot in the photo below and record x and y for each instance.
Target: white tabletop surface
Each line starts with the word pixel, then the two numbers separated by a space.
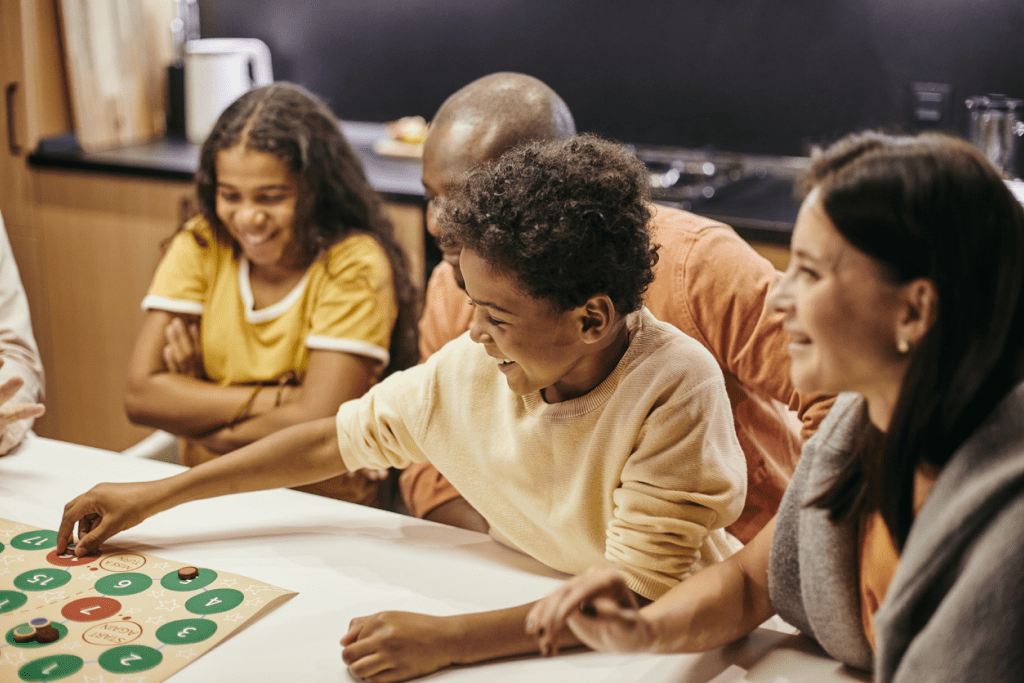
pixel 347 561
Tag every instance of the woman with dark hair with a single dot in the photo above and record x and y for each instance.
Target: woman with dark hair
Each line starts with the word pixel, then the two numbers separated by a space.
pixel 899 542
pixel 287 296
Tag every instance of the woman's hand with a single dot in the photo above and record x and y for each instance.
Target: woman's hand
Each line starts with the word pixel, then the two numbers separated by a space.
pixel 12 412
pixel 183 352
pixel 103 511
pixel 600 610
pixel 396 646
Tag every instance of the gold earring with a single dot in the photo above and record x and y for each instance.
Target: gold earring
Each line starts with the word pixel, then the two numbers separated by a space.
pixel 903 346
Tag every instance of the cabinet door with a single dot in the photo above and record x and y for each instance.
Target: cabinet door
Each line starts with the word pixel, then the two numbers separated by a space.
pixel 409 229
pixel 102 238
pixel 35 101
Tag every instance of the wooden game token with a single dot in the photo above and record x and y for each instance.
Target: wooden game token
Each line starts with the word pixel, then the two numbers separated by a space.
pixel 39 622
pixel 24 633
pixel 47 635
pixel 188 573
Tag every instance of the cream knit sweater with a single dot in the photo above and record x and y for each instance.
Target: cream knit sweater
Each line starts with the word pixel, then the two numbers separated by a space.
pixel 643 472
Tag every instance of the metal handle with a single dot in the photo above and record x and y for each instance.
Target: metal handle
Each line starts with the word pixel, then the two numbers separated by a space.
pixel 12 140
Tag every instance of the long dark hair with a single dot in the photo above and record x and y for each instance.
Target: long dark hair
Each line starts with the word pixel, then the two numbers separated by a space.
pixel 929 206
pixel 335 198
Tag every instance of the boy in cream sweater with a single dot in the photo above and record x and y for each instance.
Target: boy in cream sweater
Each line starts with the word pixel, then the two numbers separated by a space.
pixel 615 444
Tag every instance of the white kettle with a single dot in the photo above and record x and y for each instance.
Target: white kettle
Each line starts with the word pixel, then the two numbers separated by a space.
pixel 217 72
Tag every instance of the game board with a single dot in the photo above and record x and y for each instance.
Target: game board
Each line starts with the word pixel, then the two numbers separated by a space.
pixel 122 615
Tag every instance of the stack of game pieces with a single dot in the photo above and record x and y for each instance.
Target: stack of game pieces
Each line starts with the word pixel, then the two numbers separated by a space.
pixel 39 630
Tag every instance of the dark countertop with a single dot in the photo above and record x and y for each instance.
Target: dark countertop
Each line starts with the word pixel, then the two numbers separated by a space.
pixel 758 204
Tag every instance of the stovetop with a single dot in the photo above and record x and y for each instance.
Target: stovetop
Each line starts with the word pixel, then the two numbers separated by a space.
pixel 753 194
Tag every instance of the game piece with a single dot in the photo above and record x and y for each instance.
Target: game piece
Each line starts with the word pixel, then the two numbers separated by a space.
pixel 47 634
pixel 24 634
pixel 188 573
pixel 111 613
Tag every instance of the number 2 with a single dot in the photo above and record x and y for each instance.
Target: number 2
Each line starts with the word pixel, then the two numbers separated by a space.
pixel 130 658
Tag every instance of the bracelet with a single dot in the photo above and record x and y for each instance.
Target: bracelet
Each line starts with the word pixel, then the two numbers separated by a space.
pixel 244 408
pixel 283 381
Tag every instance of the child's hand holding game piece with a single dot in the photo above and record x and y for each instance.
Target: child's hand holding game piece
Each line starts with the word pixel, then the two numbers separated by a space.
pixel 104 511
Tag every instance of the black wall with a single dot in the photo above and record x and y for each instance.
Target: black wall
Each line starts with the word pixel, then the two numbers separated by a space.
pixel 737 75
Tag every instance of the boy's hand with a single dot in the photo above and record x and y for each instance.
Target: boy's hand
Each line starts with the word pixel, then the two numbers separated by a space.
pixel 599 608
pixel 183 351
pixel 396 646
pixel 104 511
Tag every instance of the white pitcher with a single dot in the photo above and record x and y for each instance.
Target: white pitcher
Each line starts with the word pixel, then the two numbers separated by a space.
pixel 217 72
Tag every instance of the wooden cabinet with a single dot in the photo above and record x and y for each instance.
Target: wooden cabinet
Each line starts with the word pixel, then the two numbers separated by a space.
pixel 35 101
pixel 101 238
pixel 86 244
pixel 778 254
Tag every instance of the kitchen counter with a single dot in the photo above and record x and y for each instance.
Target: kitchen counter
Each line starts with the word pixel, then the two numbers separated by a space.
pixel 754 196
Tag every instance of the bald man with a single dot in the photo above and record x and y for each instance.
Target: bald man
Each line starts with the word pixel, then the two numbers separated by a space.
pixel 709 283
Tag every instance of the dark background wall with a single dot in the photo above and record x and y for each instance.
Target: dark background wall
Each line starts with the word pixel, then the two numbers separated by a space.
pixel 738 75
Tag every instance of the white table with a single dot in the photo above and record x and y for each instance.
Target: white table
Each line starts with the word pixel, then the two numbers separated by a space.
pixel 347 561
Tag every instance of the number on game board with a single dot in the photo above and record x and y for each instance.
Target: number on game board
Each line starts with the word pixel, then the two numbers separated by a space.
pixel 130 658
pixel 123 583
pixel 184 632
pixel 213 601
pixel 37 577
pixel 39 540
pixel 87 610
pixel 49 669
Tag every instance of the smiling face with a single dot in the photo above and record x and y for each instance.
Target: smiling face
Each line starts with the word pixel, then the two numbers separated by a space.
pixel 256 201
pixel 841 313
pixel 536 347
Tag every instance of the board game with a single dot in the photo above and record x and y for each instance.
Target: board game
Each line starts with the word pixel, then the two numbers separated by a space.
pixel 120 617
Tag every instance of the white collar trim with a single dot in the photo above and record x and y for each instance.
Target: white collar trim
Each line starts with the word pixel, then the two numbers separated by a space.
pixel 270 312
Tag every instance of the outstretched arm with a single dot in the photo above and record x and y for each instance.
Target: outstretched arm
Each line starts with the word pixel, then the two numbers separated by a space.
pixel 715 606
pixel 397 646
pixel 302 454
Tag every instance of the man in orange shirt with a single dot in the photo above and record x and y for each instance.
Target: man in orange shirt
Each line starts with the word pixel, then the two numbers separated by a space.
pixel 709 283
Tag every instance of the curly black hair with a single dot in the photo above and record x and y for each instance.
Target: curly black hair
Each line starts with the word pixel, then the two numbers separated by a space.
pixel 566 219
